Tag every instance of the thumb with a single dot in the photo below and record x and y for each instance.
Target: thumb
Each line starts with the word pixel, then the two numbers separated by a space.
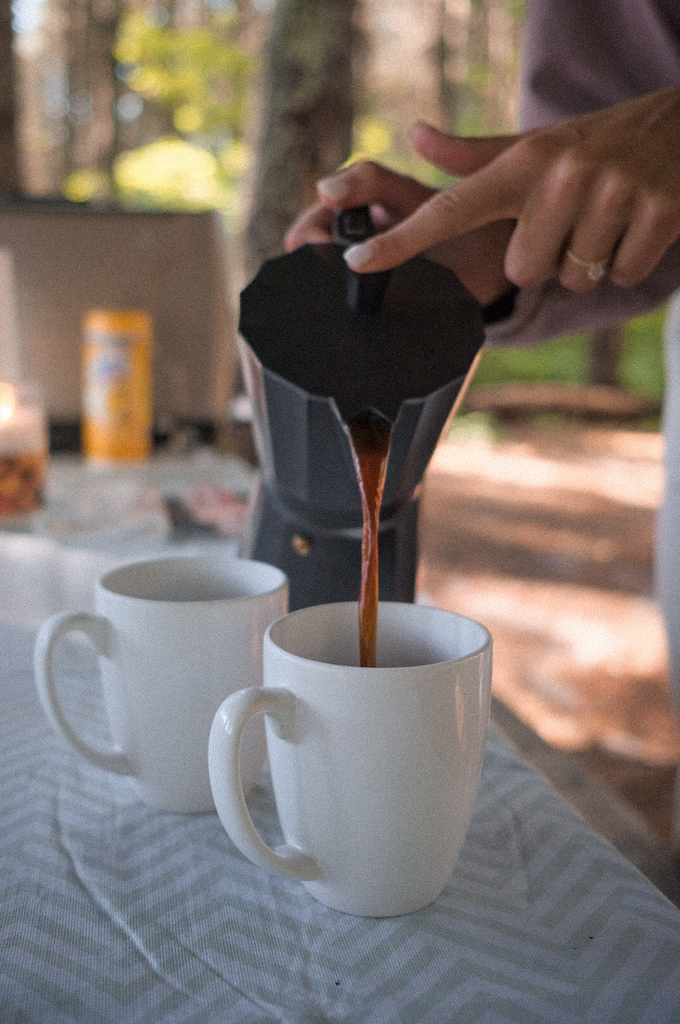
pixel 456 154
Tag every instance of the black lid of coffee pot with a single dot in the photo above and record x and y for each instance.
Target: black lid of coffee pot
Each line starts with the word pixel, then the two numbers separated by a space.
pixel 367 341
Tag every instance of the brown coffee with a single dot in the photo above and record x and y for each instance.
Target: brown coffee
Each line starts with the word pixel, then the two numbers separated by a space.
pixel 370 435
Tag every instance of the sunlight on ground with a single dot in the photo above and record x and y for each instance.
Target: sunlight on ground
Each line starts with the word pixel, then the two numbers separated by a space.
pixel 583 665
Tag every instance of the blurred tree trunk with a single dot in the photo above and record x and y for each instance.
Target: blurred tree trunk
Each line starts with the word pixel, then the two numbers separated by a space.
pixel 480 41
pixel 307 114
pixel 9 158
pixel 443 53
pixel 90 33
pixel 606 346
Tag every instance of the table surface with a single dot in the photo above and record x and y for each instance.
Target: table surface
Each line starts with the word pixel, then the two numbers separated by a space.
pixel 113 912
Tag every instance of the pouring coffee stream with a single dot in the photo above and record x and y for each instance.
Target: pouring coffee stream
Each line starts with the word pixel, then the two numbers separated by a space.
pixel 369 436
pixel 326 355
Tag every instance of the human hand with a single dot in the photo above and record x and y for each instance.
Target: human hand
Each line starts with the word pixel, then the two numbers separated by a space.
pixel 476 258
pixel 391 197
pixel 604 187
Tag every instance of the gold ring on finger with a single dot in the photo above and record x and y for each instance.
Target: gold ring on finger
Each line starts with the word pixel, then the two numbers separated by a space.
pixel 595 269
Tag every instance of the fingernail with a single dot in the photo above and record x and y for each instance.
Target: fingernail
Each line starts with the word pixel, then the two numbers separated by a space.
pixel 357 256
pixel 335 188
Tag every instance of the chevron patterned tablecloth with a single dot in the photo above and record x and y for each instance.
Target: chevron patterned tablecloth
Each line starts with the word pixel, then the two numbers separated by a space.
pixel 112 913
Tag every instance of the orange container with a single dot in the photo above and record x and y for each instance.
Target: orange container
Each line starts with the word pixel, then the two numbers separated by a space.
pixel 117 385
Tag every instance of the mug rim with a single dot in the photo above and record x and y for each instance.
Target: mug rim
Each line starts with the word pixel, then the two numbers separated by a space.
pixel 278 581
pixel 486 645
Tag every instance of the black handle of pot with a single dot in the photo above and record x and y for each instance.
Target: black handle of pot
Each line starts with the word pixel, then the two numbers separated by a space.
pixel 365 292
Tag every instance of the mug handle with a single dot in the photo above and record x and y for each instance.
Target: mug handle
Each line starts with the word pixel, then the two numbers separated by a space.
pixel 225 777
pixel 97 630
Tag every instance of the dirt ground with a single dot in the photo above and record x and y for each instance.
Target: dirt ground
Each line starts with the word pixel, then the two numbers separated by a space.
pixel 546 535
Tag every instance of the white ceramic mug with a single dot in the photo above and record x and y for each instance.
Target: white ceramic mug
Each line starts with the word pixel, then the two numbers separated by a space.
pixel 375 770
pixel 174 636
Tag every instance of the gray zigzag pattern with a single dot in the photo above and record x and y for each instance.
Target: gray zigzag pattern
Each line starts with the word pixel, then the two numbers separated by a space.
pixel 532 927
pixel 544 979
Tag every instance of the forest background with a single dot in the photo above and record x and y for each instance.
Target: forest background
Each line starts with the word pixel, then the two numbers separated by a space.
pixel 241 105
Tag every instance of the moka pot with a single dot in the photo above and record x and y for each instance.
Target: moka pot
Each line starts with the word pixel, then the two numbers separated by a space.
pixel 319 345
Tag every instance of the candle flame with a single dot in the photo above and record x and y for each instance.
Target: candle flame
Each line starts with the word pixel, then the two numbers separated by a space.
pixel 8 402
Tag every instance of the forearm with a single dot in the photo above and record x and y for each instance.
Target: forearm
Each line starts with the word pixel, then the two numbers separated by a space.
pixel 583 55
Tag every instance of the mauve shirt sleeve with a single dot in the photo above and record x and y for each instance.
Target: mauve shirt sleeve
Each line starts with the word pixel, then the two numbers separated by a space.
pixel 580 56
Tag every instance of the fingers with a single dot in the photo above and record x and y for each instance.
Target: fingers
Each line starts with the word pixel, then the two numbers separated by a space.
pixel 654 225
pixel 621 230
pixel 411 216
pixel 597 191
pixel 314 225
pixel 471 203
pixel 544 224
pixel 457 155
pixel 580 221
pixel 598 226
pixel 572 220
pixel 477 259
pixel 391 196
pixel 366 183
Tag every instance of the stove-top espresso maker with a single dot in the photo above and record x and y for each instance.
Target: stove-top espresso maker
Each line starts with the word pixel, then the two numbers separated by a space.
pixel 320 345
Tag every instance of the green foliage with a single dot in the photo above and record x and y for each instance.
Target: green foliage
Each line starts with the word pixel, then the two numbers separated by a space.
pixel 204 78
pixel 172 174
pixel 374 139
pixel 642 368
pixel 567 360
pixel 85 184
pixel 200 73
pixel 516 9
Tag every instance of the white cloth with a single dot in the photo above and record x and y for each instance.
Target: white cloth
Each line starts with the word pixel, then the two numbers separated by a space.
pixel 114 913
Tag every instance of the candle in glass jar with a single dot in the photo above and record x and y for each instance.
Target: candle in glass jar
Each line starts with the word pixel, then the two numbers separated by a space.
pixel 23 449
pixel 22 424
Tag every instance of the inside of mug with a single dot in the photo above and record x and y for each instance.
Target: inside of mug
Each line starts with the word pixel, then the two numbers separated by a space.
pixel 408 635
pixel 199 578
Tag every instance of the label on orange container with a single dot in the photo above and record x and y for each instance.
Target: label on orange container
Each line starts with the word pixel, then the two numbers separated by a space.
pixel 117 388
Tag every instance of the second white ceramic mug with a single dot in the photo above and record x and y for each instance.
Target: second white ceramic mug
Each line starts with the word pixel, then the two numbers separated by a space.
pixel 375 770
pixel 174 636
